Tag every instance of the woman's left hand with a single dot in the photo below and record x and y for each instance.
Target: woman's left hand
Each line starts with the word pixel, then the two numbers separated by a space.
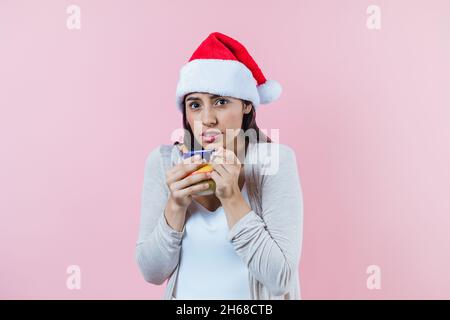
pixel 227 168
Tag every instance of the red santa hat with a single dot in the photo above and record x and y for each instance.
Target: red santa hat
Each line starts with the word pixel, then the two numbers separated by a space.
pixel 222 66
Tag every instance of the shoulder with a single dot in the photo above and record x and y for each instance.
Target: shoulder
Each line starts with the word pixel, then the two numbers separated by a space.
pixel 273 159
pixel 154 155
pixel 285 150
pixel 273 151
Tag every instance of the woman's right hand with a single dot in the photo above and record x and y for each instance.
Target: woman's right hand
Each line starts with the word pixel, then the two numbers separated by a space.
pixel 181 186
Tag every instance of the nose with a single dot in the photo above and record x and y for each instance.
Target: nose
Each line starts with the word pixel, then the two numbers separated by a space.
pixel 208 116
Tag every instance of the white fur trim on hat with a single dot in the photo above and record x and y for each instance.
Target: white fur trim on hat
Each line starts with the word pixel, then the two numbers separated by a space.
pixel 269 91
pixel 216 76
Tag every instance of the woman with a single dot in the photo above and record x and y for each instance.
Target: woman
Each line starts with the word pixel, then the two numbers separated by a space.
pixel 243 241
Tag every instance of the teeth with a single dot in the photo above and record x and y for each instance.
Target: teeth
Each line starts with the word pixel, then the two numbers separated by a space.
pixel 211 134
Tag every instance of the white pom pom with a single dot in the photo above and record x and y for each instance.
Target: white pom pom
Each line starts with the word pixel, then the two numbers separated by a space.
pixel 269 91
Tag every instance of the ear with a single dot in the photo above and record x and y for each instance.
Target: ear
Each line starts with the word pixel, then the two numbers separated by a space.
pixel 247 107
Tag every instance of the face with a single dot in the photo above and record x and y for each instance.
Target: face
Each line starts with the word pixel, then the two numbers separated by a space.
pixel 210 116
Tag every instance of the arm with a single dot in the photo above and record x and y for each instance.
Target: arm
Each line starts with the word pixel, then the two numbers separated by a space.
pixel 158 246
pixel 271 246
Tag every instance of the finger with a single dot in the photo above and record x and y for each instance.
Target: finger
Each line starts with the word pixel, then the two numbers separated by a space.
pixel 188 168
pixel 183 170
pixel 218 158
pixel 217 153
pixel 225 156
pixel 184 160
pixel 230 157
pixel 193 159
pixel 190 180
pixel 216 177
pixel 193 189
pixel 220 168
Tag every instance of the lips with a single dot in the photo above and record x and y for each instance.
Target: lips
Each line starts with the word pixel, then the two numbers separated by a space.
pixel 210 135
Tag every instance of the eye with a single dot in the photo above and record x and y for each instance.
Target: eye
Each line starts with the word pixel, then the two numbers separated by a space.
pixel 221 101
pixel 194 105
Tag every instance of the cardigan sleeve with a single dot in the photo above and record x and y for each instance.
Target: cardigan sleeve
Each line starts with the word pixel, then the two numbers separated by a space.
pixel 158 245
pixel 271 246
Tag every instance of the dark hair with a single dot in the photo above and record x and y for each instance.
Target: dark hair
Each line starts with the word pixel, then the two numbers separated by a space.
pixel 248 122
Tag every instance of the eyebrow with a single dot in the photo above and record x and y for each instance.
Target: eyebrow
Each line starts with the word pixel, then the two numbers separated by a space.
pixel 211 96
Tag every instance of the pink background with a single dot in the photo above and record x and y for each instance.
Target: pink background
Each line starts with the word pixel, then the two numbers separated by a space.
pixel 367 112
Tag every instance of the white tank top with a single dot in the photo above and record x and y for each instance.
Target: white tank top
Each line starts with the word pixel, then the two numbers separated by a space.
pixel 209 266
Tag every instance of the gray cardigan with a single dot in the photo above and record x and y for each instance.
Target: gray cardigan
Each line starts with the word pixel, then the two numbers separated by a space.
pixel 268 239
